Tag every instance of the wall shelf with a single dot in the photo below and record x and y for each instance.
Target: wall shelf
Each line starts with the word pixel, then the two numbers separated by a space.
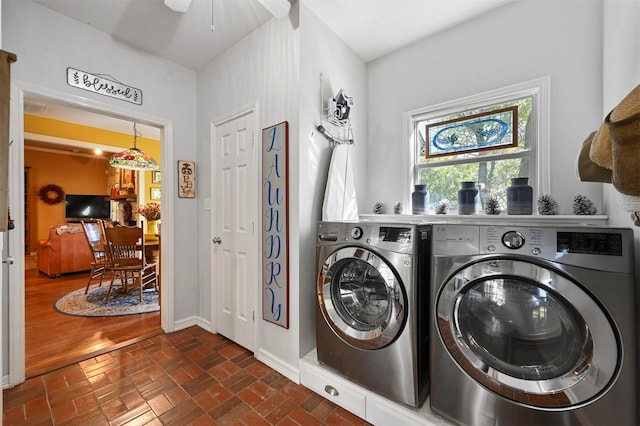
pixel 482 219
pixel 123 198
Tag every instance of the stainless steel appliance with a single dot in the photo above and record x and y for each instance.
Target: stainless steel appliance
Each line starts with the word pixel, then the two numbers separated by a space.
pixel 533 325
pixel 372 306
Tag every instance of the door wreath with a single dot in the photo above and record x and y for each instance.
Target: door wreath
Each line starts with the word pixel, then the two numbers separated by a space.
pixel 51 194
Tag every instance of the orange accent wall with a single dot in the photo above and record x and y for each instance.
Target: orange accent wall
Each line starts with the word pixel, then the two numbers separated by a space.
pixel 63 129
pixel 75 174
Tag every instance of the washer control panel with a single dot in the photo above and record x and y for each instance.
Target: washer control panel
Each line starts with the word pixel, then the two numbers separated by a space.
pixel 513 239
pixel 396 237
pixel 356 232
pixel 501 239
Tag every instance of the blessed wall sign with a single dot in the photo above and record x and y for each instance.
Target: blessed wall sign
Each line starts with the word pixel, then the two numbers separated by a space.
pixel 103 86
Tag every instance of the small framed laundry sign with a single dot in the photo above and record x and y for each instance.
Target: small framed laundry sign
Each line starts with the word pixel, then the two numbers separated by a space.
pixel 275 224
pixel 186 179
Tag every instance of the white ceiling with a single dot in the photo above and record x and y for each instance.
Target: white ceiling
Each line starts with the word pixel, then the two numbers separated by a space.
pixel 184 38
pixel 372 28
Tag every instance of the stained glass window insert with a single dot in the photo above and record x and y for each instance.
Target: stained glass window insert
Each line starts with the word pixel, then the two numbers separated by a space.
pixel 486 130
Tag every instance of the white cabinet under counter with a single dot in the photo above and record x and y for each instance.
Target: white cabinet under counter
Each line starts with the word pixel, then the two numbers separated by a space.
pixel 360 401
pixel 334 388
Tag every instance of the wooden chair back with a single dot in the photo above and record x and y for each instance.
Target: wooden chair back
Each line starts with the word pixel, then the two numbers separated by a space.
pixel 94 231
pixel 126 245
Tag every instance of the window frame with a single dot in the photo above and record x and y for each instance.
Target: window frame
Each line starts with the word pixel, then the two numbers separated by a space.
pixel 538 89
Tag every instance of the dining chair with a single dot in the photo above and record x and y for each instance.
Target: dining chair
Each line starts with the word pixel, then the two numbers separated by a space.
pixel 101 265
pixel 130 267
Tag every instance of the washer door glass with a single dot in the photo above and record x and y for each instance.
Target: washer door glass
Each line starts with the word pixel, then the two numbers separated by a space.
pixel 520 329
pixel 361 298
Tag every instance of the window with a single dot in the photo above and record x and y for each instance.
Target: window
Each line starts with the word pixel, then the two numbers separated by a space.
pixel 488 139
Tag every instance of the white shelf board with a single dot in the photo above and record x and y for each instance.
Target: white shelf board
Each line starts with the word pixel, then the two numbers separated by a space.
pixel 501 219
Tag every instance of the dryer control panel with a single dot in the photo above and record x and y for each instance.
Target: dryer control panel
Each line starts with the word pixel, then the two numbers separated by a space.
pixel 460 239
pixel 603 248
pixel 499 239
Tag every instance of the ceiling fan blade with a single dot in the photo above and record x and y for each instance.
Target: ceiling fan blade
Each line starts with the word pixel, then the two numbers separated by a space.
pixel 178 5
pixel 278 8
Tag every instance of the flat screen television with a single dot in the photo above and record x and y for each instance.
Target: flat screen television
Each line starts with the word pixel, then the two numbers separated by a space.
pixel 80 207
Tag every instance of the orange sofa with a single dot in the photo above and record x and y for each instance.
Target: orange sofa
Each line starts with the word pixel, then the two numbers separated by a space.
pixel 66 251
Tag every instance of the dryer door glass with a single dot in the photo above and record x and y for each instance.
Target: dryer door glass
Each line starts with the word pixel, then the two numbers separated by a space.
pixel 522 329
pixel 361 298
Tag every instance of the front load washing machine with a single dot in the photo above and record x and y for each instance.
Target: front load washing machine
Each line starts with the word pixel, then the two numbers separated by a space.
pixel 372 306
pixel 533 325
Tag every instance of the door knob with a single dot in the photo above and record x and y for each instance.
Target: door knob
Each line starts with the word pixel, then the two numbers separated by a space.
pixel 217 240
pixel 8 260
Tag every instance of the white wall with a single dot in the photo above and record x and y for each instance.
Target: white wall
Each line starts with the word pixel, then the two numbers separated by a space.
pixel 322 52
pixel 285 81
pixel 46 43
pixel 261 68
pixel 517 42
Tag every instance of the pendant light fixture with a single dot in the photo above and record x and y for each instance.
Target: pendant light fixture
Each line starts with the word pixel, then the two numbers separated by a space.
pixel 133 158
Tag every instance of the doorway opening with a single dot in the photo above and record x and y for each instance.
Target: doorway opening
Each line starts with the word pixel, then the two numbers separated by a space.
pixel 19 285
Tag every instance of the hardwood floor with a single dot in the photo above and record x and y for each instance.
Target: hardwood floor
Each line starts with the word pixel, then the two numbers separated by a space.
pixel 54 340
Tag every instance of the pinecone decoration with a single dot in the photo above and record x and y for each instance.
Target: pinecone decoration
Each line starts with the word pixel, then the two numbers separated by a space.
pixel 442 207
pixel 378 208
pixel 583 206
pixel 547 205
pixel 397 208
pixel 493 206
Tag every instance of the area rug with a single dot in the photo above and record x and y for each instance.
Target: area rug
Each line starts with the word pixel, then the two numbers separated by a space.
pixel 93 303
pixel 30 262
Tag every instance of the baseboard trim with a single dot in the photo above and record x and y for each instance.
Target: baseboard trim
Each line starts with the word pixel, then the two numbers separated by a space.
pixel 185 323
pixel 280 366
pixel 290 372
pixel 205 324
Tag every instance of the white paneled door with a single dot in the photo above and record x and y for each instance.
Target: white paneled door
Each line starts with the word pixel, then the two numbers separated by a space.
pixel 234 208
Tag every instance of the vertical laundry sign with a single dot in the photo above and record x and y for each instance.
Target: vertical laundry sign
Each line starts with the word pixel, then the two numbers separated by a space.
pixel 275 225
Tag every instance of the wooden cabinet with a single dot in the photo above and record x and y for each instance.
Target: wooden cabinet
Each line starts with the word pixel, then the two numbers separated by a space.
pixel 6 59
pixel 122 184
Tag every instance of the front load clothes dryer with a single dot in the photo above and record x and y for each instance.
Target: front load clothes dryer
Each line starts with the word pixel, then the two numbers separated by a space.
pixel 533 325
pixel 372 306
